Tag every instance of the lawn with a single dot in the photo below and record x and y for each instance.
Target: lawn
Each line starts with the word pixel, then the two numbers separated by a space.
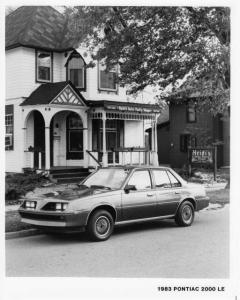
pixel 219 196
pixel 13 222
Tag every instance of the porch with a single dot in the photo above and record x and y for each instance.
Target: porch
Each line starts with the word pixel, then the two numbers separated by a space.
pixel 68 131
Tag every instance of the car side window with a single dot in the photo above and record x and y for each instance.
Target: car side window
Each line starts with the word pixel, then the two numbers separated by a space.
pixel 173 179
pixel 141 180
pixel 161 179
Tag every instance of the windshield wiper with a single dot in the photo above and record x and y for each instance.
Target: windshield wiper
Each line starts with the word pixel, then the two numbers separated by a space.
pixel 100 186
pixel 83 186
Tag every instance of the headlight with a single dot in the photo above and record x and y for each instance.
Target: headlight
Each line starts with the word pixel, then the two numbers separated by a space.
pixel 30 204
pixel 61 206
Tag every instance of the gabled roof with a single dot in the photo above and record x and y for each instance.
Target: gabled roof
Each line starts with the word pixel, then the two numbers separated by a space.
pixel 51 92
pixel 37 27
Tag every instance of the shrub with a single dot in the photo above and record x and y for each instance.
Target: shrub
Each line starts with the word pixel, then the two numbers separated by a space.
pixel 17 185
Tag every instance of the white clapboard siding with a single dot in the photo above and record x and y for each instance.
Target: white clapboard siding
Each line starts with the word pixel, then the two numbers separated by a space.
pixel 15 157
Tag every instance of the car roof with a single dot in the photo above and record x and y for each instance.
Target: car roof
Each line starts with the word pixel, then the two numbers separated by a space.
pixel 136 167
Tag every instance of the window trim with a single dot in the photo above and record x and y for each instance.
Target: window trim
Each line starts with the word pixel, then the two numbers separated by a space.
pixel 36 66
pixel 77 55
pixel 189 104
pixel 10 147
pixel 99 80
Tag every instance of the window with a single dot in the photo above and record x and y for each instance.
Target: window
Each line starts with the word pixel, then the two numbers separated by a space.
pixel 107 79
pixel 187 140
pixel 141 180
pixel 173 179
pixel 76 71
pixel 9 127
pixel 161 179
pixel 184 142
pixel 74 137
pixel 44 66
pixel 191 113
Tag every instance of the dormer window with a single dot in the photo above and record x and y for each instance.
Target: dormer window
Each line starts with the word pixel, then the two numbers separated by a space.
pixel 44 66
pixel 76 71
pixel 107 79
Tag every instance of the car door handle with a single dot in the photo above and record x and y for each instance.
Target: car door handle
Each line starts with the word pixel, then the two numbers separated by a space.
pixel 150 195
pixel 177 193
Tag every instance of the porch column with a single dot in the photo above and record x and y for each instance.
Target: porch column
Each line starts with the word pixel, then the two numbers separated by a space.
pixel 154 143
pixel 104 158
pixel 47 148
pixel 85 147
pixel 153 137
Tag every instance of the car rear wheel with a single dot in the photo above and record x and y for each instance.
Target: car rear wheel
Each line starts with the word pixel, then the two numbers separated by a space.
pixel 100 225
pixel 185 214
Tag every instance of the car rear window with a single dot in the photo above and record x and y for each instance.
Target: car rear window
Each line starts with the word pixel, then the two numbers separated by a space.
pixel 173 179
pixel 161 179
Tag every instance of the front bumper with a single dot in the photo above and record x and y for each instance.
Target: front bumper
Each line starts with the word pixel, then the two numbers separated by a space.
pixel 202 203
pixel 53 219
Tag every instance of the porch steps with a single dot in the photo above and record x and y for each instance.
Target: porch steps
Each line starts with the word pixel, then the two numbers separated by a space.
pixel 68 175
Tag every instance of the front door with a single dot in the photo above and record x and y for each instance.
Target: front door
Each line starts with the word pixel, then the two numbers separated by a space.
pixel 140 203
pixel 74 137
pixel 39 139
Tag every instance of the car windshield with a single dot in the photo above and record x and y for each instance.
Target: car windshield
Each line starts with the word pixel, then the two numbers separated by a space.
pixel 107 178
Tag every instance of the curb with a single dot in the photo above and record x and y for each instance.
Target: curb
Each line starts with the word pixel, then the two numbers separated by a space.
pixel 22 233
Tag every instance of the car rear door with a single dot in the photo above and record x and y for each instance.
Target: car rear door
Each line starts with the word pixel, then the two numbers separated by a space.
pixel 142 202
pixel 168 192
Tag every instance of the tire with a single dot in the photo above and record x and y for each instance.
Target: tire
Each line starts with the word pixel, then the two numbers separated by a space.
pixel 185 214
pixel 100 225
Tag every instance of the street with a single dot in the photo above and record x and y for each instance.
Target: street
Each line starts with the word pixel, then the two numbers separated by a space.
pixel 156 249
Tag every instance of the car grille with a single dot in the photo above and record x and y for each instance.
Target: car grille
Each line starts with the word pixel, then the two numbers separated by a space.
pixel 41 217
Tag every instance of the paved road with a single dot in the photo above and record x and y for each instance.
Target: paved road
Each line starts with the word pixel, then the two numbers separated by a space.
pixel 156 249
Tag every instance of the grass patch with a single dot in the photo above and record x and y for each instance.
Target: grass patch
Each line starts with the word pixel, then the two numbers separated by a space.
pixel 13 222
pixel 219 196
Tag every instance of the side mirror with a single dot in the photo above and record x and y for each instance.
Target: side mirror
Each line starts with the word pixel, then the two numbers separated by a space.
pixel 129 188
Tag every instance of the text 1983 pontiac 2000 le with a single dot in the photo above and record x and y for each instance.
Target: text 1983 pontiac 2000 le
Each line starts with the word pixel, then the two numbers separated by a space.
pixel 118 195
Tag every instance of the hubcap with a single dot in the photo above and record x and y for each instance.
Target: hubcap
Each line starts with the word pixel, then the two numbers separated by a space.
pixel 102 225
pixel 187 214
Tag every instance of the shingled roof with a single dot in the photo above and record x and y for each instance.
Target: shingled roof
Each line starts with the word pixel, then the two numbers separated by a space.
pixel 37 27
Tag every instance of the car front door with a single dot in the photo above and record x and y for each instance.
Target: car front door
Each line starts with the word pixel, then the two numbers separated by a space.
pixel 168 192
pixel 141 202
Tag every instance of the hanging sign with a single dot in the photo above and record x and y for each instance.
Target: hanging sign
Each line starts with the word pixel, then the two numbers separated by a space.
pixel 201 156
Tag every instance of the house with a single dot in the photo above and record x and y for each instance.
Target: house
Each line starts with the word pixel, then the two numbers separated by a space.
pixel 190 127
pixel 59 113
pixel 183 126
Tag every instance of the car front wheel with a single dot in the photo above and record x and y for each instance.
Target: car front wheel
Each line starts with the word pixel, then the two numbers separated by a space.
pixel 185 214
pixel 100 225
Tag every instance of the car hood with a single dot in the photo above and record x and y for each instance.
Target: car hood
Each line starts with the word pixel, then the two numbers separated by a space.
pixel 72 194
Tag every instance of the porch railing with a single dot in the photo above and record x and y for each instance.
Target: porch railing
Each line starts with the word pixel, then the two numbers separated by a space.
pixel 34 158
pixel 122 156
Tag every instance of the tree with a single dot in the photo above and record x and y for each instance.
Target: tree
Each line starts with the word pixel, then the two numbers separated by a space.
pixel 161 47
